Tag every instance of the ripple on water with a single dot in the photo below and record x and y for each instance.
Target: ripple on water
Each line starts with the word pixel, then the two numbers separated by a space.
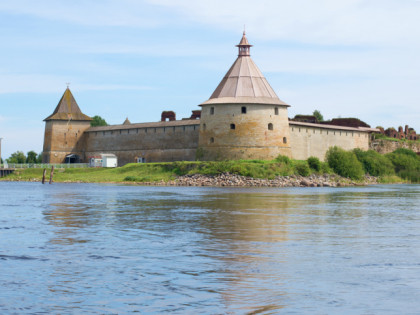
pixel 121 249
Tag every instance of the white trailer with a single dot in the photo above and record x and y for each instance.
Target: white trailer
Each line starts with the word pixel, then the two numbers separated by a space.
pixel 103 160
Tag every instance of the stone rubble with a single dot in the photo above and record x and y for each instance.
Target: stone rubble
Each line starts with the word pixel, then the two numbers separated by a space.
pixel 233 180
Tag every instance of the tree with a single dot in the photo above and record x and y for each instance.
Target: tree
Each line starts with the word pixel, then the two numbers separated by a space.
pixel 98 121
pixel 39 158
pixel 18 157
pixel 318 115
pixel 31 157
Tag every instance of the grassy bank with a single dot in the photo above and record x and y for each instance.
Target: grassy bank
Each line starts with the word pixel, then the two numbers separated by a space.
pixel 390 168
pixel 151 172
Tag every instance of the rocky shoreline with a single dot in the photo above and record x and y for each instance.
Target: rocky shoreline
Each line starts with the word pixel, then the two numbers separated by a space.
pixel 233 180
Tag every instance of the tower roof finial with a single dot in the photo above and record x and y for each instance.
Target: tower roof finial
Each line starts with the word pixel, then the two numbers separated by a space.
pixel 244 46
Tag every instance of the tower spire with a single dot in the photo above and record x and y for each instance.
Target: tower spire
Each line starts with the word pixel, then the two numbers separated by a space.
pixel 244 46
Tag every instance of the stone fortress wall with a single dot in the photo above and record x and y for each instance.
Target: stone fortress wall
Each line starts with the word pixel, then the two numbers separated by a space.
pixel 155 142
pixel 242 119
pixel 179 141
pixel 314 139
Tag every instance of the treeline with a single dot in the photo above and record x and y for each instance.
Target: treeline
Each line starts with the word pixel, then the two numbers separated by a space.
pixel 20 158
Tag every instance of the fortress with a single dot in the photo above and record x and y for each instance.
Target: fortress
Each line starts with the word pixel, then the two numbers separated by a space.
pixel 243 119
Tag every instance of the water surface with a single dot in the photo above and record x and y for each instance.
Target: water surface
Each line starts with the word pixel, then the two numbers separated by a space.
pixel 104 249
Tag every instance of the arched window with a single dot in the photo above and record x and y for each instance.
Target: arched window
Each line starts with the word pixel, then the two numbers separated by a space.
pixel 276 110
pixel 270 126
pixel 232 126
pixel 243 110
pixel 211 140
pixel 284 140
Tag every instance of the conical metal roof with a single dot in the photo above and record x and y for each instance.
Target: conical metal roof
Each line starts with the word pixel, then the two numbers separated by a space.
pixel 244 41
pixel 244 82
pixel 67 109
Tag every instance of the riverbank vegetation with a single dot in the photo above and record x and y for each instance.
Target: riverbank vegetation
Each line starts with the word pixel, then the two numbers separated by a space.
pixel 400 164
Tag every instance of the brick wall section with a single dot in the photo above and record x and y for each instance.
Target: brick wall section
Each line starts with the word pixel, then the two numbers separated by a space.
pixel 62 138
pixel 168 115
pixel 406 133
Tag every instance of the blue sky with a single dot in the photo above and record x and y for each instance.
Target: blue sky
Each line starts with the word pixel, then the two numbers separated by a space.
pixel 136 58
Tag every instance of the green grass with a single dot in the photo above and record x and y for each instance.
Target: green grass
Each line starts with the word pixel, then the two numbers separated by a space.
pixel 139 172
pixel 352 164
pixel 153 172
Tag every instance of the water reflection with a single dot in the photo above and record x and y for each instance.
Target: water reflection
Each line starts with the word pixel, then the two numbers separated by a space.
pixel 159 249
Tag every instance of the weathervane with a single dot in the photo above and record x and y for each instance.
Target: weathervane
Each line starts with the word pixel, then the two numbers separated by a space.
pixel 68 84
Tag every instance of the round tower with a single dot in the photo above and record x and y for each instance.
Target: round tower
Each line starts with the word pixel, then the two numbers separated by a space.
pixel 244 118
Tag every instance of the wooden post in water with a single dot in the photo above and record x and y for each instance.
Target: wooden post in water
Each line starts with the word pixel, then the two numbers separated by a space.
pixel 51 174
pixel 43 176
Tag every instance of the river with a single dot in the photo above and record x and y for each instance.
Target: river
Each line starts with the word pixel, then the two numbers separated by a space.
pixel 115 249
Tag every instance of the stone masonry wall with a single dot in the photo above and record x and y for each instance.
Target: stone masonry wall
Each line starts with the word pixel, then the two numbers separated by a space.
pixel 386 146
pixel 155 144
pixel 315 141
pixel 243 131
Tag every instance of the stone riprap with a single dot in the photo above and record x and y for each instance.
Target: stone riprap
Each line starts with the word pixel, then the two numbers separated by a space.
pixel 233 180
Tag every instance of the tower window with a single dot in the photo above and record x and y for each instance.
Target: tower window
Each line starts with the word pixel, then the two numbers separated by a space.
pixel 211 140
pixel 211 110
pixel 232 126
pixel 276 110
pixel 284 140
pixel 270 126
pixel 243 110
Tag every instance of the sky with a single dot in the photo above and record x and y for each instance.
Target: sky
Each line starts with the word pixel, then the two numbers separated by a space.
pixel 137 58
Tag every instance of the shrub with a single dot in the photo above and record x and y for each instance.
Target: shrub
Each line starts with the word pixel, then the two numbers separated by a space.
pixel 374 163
pixel 406 152
pixel 314 163
pixel 283 159
pixel 131 179
pixel 302 168
pixel 412 176
pixel 344 163
pixel 406 164
pixel 325 168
